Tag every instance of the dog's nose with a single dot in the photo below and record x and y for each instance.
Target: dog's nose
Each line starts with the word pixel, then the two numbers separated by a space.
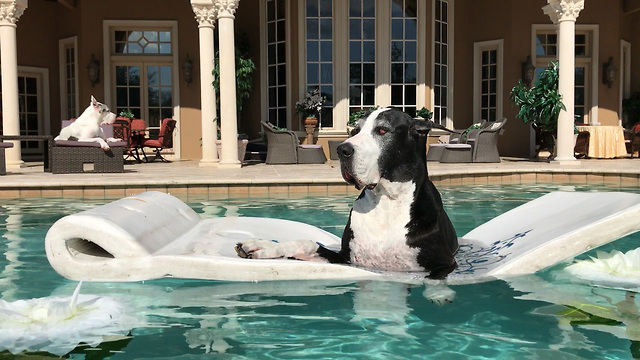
pixel 345 150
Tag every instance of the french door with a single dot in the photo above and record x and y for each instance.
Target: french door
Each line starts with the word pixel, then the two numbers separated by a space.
pixel 146 89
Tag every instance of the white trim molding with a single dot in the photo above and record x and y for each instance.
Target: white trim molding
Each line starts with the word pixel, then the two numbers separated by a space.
pixel 107 26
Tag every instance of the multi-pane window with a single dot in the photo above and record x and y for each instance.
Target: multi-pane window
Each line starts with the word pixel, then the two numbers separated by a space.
pixel 547 50
pixel 319 48
pixel 404 53
pixel 30 113
pixel 143 65
pixel 68 78
pixel 28 109
pixel 547 44
pixel 488 85
pixel 159 94
pixel 441 61
pixel 276 63
pixel 142 42
pixel 128 90
pixel 362 54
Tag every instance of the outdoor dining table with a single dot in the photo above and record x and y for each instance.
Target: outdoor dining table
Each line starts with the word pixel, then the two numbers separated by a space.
pixel 605 142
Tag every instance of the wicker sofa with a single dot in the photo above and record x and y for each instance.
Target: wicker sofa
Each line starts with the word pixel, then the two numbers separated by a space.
pixel 87 156
pixel 3 163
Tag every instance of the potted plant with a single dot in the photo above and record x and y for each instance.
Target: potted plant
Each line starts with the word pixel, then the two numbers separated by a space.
pixel 244 74
pixel 540 106
pixel 424 114
pixel 126 114
pixel 310 107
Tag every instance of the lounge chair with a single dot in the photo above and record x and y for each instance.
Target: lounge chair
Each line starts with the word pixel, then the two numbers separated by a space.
pixel 481 145
pixel 86 156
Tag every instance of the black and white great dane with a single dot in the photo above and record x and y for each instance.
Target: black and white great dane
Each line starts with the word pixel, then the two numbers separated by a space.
pixel 398 222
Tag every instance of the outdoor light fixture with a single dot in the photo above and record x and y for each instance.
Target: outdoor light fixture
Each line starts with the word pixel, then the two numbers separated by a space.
pixel 608 72
pixel 187 66
pixel 94 71
pixel 528 71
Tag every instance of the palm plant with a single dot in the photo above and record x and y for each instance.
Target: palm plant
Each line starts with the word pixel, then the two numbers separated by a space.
pixel 540 105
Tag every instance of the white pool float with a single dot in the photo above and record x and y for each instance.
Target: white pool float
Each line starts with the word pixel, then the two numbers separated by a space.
pixel 153 235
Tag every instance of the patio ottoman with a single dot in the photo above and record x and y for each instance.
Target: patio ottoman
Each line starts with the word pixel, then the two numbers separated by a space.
pixel 81 156
pixel 435 152
pixel 456 153
pixel 311 154
pixel 3 163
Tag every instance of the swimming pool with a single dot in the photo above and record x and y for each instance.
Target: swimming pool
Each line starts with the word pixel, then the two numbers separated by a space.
pixel 542 316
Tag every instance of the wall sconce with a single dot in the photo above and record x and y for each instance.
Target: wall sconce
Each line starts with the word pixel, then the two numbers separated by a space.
pixel 528 71
pixel 187 66
pixel 608 72
pixel 94 71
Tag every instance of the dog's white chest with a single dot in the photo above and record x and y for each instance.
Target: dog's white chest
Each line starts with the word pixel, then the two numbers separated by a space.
pixel 380 233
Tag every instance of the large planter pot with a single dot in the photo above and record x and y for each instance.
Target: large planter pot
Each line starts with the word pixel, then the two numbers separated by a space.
pixel 242 148
pixel 310 121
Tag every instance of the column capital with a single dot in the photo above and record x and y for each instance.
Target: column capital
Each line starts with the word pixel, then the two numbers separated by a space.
pixel 206 12
pixel 226 8
pixel 563 10
pixel 11 10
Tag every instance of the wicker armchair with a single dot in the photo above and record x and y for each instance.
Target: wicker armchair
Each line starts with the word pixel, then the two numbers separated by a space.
pixel 3 164
pixel 481 145
pixel 282 145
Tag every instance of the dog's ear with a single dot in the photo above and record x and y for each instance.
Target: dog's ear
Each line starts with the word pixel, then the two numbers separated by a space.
pixel 422 127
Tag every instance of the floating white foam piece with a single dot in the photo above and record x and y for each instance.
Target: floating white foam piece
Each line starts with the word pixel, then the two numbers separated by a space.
pixel 58 325
pixel 153 235
pixel 614 269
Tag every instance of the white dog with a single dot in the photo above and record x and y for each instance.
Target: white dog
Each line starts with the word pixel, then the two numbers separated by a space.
pixel 87 126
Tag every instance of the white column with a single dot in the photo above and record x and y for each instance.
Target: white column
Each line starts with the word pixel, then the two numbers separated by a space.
pixel 206 17
pixel 10 12
pixel 228 108
pixel 564 13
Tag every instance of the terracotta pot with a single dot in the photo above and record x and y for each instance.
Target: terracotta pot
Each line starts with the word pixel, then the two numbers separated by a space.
pixel 313 121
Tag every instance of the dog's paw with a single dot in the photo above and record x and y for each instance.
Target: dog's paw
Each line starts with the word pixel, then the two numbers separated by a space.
pixel 258 249
pixel 439 294
pixel 271 249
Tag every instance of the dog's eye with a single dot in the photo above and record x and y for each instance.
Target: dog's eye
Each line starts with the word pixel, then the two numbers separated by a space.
pixel 381 130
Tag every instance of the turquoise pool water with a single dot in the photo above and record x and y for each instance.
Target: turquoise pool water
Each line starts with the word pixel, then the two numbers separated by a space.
pixel 542 316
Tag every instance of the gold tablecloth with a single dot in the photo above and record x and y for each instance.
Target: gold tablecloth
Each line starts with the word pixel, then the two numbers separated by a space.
pixel 605 142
